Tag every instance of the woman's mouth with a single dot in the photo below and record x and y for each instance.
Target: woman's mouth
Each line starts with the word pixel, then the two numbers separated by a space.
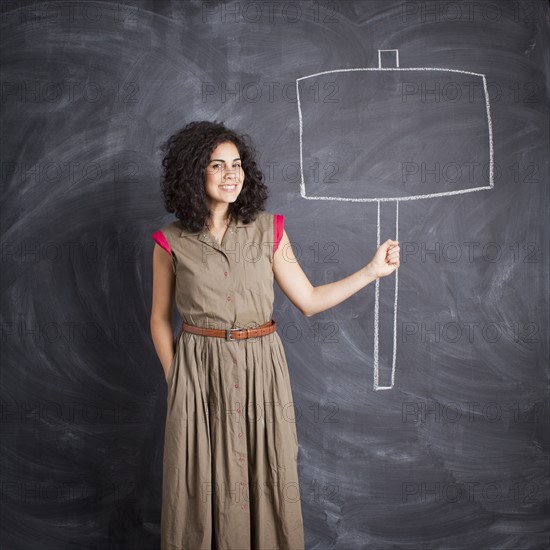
pixel 228 188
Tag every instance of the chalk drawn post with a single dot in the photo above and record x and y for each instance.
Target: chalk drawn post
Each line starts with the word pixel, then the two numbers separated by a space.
pixel 382 184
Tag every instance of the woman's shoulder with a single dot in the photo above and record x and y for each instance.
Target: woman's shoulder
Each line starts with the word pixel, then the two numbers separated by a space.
pixel 271 223
pixel 267 216
pixel 171 229
pixel 273 218
pixel 266 220
pixel 167 235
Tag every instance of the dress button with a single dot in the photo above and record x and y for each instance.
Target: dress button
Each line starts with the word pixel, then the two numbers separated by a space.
pixel 238 410
pixel 225 273
pixel 240 434
pixel 229 298
pixel 236 385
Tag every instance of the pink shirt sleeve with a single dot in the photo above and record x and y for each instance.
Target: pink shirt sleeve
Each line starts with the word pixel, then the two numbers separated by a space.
pixel 278 223
pixel 160 239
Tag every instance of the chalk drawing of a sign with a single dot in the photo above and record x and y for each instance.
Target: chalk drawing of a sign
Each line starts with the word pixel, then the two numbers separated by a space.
pixel 393 134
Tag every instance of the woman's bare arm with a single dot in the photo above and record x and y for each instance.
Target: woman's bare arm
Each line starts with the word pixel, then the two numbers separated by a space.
pixel 310 299
pixel 164 283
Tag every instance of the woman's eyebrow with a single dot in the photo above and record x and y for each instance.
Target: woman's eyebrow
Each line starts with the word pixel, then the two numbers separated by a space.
pixel 221 160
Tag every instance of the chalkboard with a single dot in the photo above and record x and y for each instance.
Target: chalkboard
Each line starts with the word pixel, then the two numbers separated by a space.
pixel 374 119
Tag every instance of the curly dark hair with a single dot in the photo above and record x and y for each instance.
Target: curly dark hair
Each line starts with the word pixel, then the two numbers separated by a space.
pixel 186 155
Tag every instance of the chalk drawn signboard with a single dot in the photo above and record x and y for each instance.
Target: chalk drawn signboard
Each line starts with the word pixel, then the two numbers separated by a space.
pixel 392 167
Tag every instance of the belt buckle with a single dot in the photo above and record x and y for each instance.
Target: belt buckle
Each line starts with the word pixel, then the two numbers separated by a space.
pixel 228 334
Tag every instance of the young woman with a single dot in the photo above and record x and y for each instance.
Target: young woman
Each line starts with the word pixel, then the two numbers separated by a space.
pixel 230 457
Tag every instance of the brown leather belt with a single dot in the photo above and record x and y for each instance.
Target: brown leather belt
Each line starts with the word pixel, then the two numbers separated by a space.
pixel 231 333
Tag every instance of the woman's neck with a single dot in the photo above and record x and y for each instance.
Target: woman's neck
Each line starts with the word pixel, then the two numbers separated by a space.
pixel 218 220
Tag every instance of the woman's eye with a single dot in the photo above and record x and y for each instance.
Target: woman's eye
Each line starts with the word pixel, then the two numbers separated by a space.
pixel 217 166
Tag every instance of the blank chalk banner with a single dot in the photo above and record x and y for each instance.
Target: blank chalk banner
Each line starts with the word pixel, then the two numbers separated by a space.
pixel 391 134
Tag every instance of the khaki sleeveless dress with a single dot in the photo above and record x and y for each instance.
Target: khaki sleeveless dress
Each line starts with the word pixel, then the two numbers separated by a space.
pixel 230 477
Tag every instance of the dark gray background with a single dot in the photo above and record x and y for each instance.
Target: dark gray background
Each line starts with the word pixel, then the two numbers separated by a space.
pixel 456 455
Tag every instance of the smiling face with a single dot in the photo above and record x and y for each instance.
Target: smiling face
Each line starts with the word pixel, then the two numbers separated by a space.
pixel 224 176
